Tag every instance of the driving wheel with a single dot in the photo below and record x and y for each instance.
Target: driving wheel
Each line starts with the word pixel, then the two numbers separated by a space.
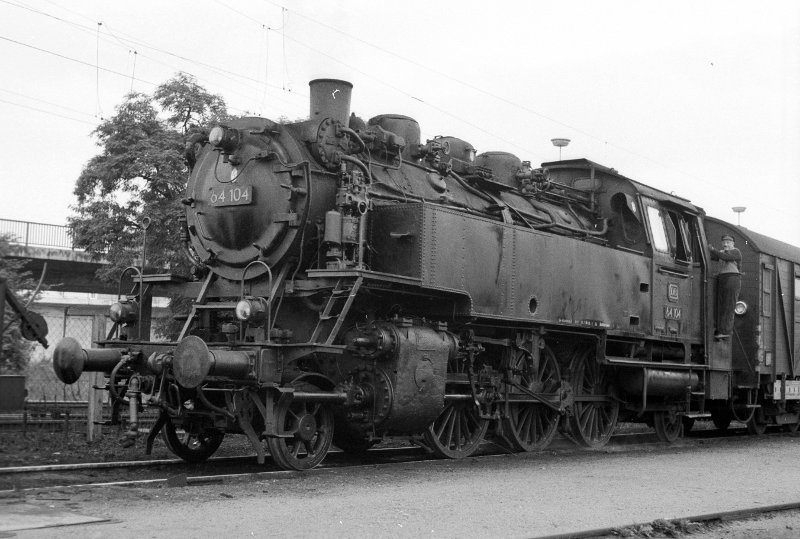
pixel 596 411
pixel 530 426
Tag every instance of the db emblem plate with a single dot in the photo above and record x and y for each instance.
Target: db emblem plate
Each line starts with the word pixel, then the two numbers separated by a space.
pixel 672 292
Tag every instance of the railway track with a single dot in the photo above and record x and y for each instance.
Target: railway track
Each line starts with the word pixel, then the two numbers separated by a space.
pixel 677 524
pixel 175 472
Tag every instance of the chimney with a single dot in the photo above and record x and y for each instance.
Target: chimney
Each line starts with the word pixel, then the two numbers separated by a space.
pixel 330 98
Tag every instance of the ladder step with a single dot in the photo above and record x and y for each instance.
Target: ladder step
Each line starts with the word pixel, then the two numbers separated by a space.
pixel 341 292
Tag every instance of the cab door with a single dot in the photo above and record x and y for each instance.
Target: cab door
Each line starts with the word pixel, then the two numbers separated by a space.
pixel 674 273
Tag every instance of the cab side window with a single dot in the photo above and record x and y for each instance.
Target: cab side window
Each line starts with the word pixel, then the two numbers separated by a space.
pixel 657 229
pixel 679 241
pixel 670 233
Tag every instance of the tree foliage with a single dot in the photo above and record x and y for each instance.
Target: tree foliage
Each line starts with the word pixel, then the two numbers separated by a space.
pixel 188 104
pixel 140 172
pixel 16 350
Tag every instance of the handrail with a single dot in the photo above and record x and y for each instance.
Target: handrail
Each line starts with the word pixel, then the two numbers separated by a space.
pixel 31 234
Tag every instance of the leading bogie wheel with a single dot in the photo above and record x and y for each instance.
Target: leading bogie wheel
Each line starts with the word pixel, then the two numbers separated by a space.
pixel 306 433
pixel 596 411
pixel 668 425
pixel 458 431
pixel 194 447
pixel 531 426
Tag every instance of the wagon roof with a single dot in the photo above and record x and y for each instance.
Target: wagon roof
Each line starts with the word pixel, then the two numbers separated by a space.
pixel 641 188
pixel 761 243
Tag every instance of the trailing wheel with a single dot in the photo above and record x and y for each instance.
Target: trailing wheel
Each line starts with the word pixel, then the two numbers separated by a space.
pixel 458 431
pixel 306 433
pixel 189 446
pixel 757 424
pixel 530 426
pixel 721 417
pixel 595 411
pixel 668 426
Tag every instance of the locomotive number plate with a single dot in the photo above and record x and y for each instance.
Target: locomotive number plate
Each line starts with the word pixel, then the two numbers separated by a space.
pixel 231 195
pixel 672 313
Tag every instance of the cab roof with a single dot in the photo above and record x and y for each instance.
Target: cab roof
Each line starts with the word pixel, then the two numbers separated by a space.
pixel 639 187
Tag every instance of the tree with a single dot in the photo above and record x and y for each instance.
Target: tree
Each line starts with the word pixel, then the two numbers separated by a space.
pixel 140 172
pixel 189 104
pixel 16 350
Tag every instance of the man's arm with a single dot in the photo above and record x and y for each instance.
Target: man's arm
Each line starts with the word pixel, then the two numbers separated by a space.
pixel 734 255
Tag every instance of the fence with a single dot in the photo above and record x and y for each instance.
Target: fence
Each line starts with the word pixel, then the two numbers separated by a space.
pixel 37 234
pixel 56 411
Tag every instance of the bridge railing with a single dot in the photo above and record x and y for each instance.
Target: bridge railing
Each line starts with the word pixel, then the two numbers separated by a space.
pixel 37 234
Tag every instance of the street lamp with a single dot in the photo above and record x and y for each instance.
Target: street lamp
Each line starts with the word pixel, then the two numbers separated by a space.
pixel 559 143
pixel 739 210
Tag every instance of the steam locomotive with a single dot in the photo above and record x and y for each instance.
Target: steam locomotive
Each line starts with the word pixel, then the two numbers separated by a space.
pixel 352 283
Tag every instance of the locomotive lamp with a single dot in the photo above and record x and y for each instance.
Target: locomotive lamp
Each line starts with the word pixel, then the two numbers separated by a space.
pixel 124 311
pixel 252 310
pixel 740 308
pixel 225 138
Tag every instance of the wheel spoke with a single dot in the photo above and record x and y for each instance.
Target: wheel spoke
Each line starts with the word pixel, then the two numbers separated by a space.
pixel 593 422
pixel 445 421
pixel 457 432
pixel 307 448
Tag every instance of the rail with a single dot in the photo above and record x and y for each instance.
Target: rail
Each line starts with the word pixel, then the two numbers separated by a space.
pixel 32 234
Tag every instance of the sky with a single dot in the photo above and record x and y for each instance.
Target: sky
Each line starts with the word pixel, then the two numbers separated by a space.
pixel 700 99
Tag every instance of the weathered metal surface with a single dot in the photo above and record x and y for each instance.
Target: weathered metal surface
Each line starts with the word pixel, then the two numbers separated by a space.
pixel 414 362
pixel 408 271
pixel 508 270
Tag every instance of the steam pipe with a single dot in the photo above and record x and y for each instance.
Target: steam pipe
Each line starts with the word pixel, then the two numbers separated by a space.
pixel 355 136
pixel 359 163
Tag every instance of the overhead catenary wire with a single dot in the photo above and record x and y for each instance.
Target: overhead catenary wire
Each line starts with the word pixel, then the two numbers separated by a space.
pixel 51 113
pixel 97 72
pixel 57 105
pixel 385 50
pixel 500 98
pixel 133 43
